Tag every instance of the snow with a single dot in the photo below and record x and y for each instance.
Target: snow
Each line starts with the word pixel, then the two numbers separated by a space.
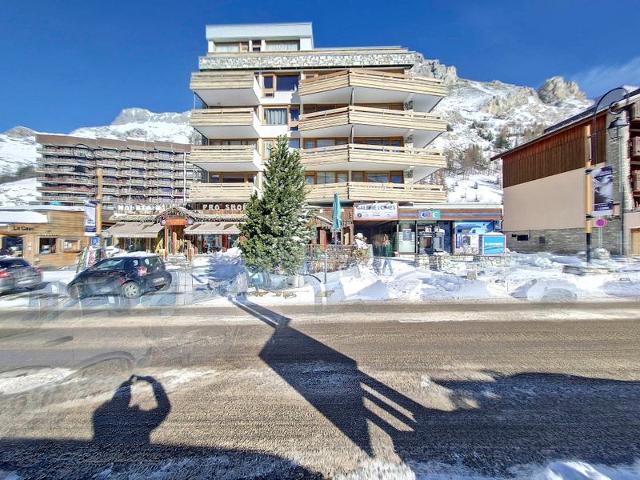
pixel 20 192
pixel 476 188
pixel 22 216
pixel 554 470
pixel 16 382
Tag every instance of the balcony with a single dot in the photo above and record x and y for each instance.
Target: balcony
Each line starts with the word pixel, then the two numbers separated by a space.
pixel 226 158
pixel 355 156
pixel 373 86
pixel 360 121
pixel 226 122
pixel 226 88
pixel 220 192
pixel 368 191
pixel 635 147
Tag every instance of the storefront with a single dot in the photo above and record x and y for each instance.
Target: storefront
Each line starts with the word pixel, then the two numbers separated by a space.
pixel 44 235
pixel 175 229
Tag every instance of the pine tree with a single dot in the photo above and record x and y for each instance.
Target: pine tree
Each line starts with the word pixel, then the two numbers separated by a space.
pixel 276 229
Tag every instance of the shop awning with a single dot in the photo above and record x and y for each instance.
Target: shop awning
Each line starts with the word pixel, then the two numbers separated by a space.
pixel 212 228
pixel 134 230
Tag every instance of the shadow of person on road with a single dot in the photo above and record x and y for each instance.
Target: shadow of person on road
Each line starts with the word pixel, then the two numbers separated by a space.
pixel 490 423
pixel 116 421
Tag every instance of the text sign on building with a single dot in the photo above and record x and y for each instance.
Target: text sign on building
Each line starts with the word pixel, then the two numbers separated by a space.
pixel 429 214
pixel 602 191
pixel 375 211
pixel 90 219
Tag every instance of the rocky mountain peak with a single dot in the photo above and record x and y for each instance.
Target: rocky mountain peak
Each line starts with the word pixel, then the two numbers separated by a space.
pixel 556 90
pixel 19 132
pixel 142 115
pixel 435 69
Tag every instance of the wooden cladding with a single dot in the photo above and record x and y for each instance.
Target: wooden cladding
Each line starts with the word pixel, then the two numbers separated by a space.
pixel 558 153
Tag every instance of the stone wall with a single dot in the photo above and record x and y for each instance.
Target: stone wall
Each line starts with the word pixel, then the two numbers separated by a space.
pixel 566 240
pixel 269 60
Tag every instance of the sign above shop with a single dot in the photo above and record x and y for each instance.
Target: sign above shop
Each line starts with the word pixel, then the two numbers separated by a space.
pixel 375 211
pixel 429 214
pixel 222 208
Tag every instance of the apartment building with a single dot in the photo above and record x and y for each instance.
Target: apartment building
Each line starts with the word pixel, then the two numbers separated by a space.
pixel 360 118
pixel 545 183
pixel 133 173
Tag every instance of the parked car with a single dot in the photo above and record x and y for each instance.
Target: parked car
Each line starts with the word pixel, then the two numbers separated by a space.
pixel 17 273
pixel 129 276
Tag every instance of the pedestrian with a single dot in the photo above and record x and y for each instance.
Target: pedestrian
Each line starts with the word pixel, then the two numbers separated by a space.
pixel 242 285
pixel 387 252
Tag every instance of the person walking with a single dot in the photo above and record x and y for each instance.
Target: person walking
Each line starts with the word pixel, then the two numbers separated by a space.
pixel 386 250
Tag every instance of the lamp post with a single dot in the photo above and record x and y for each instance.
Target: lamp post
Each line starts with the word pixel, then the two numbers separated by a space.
pixel 593 159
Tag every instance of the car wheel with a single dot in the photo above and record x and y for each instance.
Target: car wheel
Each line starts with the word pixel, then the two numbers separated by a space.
pixel 131 290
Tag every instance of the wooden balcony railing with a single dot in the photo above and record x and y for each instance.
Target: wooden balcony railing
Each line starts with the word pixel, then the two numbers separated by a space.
pixel 372 79
pixel 379 154
pixel 357 115
pixel 223 153
pixel 222 80
pixel 635 147
pixel 370 191
pixel 232 192
pixel 208 117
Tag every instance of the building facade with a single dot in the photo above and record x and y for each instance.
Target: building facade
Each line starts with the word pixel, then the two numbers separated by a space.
pixel 132 173
pixel 360 118
pixel 545 183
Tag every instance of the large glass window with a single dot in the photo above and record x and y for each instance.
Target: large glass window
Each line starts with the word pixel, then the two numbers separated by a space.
pixel 228 47
pixel 47 245
pixel 294 113
pixel 377 177
pixel 310 179
pixel 287 83
pixel 233 178
pixel 326 177
pixel 396 177
pixel 294 143
pixel 275 116
pixel 342 177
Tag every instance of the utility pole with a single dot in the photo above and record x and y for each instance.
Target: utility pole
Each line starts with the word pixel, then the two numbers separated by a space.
pixel 99 206
pixel 587 190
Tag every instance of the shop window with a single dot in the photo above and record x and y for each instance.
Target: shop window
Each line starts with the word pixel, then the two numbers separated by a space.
pixel 275 116
pixel 71 245
pixel 47 245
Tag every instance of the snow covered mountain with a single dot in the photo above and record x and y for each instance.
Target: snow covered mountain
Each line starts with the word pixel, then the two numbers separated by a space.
pixel 489 115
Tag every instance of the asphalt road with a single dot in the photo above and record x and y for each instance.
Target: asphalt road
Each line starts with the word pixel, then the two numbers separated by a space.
pixel 248 392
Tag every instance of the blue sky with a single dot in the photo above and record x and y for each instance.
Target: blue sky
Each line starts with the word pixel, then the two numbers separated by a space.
pixel 67 64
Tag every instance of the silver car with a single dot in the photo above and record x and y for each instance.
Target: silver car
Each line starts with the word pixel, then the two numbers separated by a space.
pixel 16 273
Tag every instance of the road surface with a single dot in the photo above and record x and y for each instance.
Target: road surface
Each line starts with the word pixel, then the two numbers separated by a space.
pixel 247 391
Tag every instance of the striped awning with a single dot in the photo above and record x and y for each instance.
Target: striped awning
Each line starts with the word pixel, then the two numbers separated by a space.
pixel 134 230
pixel 212 228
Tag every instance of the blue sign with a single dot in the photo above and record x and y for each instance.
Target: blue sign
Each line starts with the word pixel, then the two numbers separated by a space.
pixel 95 241
pixel 429 214
pixel 492 244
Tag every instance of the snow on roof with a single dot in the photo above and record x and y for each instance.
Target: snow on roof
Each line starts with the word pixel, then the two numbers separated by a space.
pixel 40 207
pixel 21 216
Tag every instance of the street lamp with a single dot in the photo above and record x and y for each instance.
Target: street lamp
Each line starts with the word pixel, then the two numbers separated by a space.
pixel 593 159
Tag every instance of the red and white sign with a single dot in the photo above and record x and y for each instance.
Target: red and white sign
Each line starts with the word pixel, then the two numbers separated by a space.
pixel 375 211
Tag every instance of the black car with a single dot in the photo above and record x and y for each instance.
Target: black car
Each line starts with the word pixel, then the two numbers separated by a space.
pixel 129 276
pixel 16 273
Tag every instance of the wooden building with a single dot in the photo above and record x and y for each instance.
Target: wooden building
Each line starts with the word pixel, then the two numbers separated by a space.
pixel 545 183
pixel 44 235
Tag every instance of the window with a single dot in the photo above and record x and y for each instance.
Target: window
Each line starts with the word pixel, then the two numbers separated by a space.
pixel 256 45
pixel 342 177
pixel 357 176
pixel 282 45
pixel 267 145
pixel 310 179
pixel 72 245
pixel 47 245
pixel 395 177
pixel 294 143
pixel 326 177
pixel 108 264
pixel 522 238
pixel 275 116
pixel 287 83
pixel 214 178
pixel 378 177
pixel 326 142
pixel 294 113
pixel 227 47
pixel 309 144
pixel 268 81
pixel 233 178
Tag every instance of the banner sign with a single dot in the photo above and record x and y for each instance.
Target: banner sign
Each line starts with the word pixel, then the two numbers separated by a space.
pixel 90 219
pixel 375 211
pixel 602 191
pixel 429 214
pixel 492 244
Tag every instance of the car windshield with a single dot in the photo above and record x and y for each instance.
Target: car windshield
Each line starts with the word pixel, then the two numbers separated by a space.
pixel 109 264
